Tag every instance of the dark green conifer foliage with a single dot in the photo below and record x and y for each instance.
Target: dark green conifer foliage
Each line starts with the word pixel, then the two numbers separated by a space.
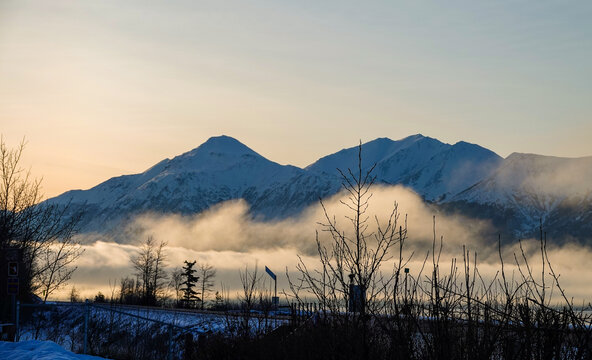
pixel 190 296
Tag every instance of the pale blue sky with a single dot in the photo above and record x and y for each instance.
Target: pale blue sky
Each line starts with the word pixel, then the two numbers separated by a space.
pixel 103 88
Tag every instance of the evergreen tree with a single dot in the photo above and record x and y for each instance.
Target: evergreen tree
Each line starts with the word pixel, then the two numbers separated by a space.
pixel 190 280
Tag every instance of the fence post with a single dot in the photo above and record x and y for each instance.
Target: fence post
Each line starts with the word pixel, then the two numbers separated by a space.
pixel 86 310
pixel 170 355
pixel 18 317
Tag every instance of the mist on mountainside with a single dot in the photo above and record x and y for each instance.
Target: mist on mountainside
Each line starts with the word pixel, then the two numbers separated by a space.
pixel 463 179
pixel 229 237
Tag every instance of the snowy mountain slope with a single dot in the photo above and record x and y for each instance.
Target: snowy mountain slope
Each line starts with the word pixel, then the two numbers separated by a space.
pixel 514 193
pixel 220 169
pixel 433 169
pixel 374 152
pixel 536 174
pixel 453 170
pixel 535 188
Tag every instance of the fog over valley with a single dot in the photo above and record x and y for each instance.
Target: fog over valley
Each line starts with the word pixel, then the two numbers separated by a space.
pixel 229 237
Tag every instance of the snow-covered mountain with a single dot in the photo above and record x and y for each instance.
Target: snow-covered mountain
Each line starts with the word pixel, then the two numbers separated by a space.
pixel 515 192
pixel 220 169
pixel 433 169
pixel 533 188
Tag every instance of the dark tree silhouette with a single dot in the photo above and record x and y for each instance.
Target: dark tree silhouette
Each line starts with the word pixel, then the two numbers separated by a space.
pixel 149 263
pixel 207 274
pixel 42 232
pixel 190 280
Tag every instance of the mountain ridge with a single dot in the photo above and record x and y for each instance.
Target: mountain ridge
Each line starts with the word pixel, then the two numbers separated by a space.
pixel 462 177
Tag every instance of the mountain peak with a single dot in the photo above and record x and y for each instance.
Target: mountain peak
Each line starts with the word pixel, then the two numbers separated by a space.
pixel 464 144
pixel 414 137
pixel 223 144
pixel 385 141
pixel 520 156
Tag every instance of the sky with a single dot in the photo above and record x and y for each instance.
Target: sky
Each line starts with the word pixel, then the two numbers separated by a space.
pixel 104 88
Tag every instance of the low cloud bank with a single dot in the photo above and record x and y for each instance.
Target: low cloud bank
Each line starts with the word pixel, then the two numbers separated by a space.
pixel 229 226
pixel 229 238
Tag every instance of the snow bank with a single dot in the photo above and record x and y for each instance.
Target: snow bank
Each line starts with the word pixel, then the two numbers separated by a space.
pixel 39 350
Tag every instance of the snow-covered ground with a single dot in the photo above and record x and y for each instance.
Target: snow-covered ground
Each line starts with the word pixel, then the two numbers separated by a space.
pixel 122 331
pixel 39 350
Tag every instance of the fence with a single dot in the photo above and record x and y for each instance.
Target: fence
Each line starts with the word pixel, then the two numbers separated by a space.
pixel 65 322
pixel 128 331
pixel 120 331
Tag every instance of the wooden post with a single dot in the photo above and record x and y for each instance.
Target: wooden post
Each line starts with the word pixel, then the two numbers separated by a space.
pixel 18 317
pixel 86 310
pixel 170 354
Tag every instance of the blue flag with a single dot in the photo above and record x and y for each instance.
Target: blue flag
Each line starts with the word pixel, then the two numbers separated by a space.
pixel 270 273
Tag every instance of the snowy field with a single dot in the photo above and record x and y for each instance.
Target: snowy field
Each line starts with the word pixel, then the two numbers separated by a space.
pixel 39 350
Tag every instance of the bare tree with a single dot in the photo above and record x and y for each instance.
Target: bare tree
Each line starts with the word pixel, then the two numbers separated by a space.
pixel 250 283
pixel 42 231
pixel 143 262
pixel 354 257
pixel 176 282
pixel 149 263
pixel 56 265
pixel 127 290
pixel 113 288
pixel 159 274
pixel 74 295
pixel 207 274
